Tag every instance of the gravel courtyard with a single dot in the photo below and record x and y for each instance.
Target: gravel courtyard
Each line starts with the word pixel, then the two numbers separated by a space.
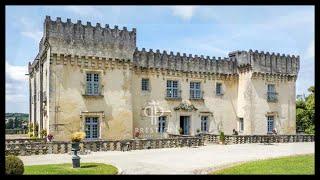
pixel 179 160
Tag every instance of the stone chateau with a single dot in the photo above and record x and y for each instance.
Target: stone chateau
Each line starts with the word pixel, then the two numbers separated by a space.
pixel 94 79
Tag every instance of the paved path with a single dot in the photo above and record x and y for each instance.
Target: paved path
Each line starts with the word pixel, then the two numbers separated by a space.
pixel 179 160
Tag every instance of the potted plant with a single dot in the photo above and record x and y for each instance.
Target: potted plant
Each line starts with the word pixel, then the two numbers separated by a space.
pixel 222 138
pixel 43 133
pixel 198 131
pixel 76 138
pixel 136 134
pixel 50 137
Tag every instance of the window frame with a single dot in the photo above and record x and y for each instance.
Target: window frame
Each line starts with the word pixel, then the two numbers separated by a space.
pixel 241 125
pixel 91 130
pixel 171 88
pixel 162 123
pixel 220 89
pixel 270 119
pixel 204 124
pixel 195 91
pixel 93 84
pixel 142 84
pixel 271 93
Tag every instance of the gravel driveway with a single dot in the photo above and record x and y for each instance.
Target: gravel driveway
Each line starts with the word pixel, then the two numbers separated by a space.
pixel 179 160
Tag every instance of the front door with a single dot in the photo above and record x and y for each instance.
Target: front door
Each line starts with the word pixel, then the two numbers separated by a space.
pixel 185 124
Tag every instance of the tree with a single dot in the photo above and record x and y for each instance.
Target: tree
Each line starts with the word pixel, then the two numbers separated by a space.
pixel 305 112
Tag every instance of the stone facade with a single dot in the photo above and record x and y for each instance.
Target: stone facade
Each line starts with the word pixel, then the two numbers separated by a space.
pixel 68 51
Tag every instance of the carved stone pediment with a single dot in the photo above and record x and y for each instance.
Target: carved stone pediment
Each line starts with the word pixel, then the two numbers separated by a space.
pixel 185 106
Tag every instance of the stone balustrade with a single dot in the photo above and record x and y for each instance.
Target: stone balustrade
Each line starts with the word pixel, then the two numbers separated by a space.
pixel 24 141
pixel 56 147
pixel 241 139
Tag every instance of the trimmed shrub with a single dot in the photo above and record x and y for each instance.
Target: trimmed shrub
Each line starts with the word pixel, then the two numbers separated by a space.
pixel 43 133
pixel 222 137
pixel 14 165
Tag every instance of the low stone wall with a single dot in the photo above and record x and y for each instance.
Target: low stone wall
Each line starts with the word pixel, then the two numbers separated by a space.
pixel 34 148
pixel 241 139
pixel 24 140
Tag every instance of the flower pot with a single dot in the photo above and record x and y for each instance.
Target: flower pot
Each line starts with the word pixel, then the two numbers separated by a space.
pixel 75 146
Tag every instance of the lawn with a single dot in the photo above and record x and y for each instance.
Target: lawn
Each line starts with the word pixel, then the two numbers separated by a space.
pixel 301 164
pixel 85 168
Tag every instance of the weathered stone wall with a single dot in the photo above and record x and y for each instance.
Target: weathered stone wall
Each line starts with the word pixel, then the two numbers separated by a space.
pixel 71 104
pixel 212 105
pixel 269 63
pixel 254 107
pixel 87 40
pixel 68 50
pixel 183 62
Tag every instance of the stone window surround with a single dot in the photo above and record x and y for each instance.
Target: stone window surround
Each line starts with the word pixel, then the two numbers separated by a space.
pixel 101 85
pixel 143 92
pixel 275 115
pixel 241 130
pixel 179 91
pixel 221 90
pixel 101 120
pixel 201 91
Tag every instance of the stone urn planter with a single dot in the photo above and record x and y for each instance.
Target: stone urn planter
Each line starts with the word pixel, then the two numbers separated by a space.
pixel 75 147
pixel 76 138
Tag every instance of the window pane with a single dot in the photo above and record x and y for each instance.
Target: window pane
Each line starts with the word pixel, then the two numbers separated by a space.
pixel 145 84
pixel 218 88
pixel 96 77
pixel 89 77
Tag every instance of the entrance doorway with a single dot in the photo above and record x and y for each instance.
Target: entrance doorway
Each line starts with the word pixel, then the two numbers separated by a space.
pixel 185 124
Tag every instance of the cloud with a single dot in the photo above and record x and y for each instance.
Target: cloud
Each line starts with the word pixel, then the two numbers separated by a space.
pixel 36 35
pixel 184 12
pixel 16 88
pixel 310 51
pixel 31 30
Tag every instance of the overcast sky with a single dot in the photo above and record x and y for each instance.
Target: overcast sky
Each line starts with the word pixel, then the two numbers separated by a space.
pixel 202 30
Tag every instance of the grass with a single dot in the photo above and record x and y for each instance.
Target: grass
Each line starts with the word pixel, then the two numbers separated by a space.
pixel 301 164
pixel 85 168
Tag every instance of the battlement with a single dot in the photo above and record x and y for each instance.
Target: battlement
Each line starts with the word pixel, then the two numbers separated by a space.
pixel 271 63
pixel 79 39
pixel 182 62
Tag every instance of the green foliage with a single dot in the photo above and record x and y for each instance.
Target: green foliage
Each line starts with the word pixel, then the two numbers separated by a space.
pixel 301 164
pixel 36 129
pixel 43 133
pixel 305 112
pixel 14 165
pixel 222 137
pixel 16 120
pixel 61 169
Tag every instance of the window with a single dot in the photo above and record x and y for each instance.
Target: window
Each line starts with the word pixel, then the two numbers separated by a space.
pixel 162 124
pixel 270 123
pixel 219 89
pixel 92 84
pixel 272 95
pixel 204 123
pixel 195 90
pixel 145 84
pixel 92 128
pixel 172 89
pixel 241 125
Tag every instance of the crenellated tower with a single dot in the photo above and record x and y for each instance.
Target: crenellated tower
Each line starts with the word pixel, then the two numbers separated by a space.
pixel 259 73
